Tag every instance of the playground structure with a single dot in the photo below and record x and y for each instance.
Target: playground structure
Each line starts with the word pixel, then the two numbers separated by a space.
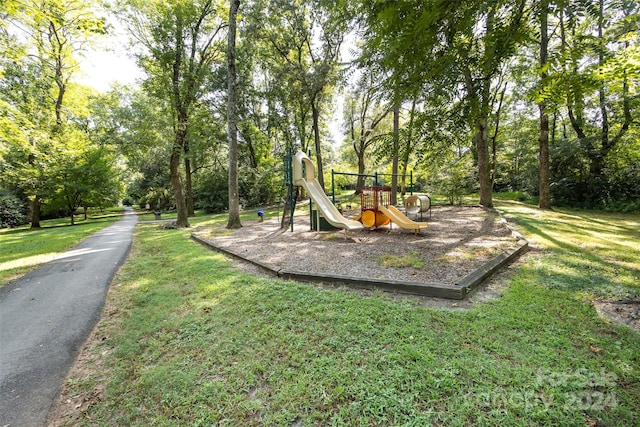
pixel 304 175
pixel 263 248
pixel 415 205
pixel 371 200
pixel 376 207
pixel 376 179
pixel 377 210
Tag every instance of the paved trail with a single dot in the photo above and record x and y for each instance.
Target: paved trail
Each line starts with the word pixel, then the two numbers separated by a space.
pixel 45 317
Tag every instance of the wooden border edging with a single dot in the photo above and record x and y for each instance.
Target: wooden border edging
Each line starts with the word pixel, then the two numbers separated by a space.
pixel 426 289
pixel 266 267
pixel 477 276
pixel 458 291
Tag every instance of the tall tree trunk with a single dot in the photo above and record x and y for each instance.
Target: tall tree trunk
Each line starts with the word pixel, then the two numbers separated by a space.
pixel 176 181
pixel 315 114
pixel 232 129
pixel 188 183
pixel 35 211
pixel 248 142
pixel 480 107
pixel 57 46
pixel 396 149
pixel 544 201
pixel 406 152
pixel 484 174
pixel 59 101
pixel 361 168
pixel 494 139
pixel 174 167
pixel 180 129
pixel 478 92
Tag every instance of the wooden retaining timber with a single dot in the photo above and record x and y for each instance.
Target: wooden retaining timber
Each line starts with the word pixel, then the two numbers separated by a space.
pixel 457 291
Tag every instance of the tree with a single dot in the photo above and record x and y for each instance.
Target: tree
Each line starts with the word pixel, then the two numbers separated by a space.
pixel 545 195
pixel 395 153
pixel 592 77
pixel 451 43
pixel 182 44
pixel 306 39
pixel 232 130
pixel 364 111
pixel 86 177
pixel 24 129
pixel 55 32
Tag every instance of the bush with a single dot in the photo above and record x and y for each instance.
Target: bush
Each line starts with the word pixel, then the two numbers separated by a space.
pixel 211 191
pixel 455 179
pixel 260 187
pixel 615 191
pixel 12 210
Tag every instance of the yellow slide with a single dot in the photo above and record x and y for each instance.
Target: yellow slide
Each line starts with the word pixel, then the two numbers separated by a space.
pixel 326 208
pixel 304 174
pixel 402 221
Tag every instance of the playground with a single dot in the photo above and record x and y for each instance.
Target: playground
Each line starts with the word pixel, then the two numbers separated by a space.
pixel 448 256
pixel 459 241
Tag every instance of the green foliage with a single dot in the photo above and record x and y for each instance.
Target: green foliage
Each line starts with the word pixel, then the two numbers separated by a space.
pixel 258 188
pixel 44 125
pixel 432 55
pixel 516 166
pixel 452 176
pixel 616 189
pixel 261 187
pixel 211 191
pixel 12 210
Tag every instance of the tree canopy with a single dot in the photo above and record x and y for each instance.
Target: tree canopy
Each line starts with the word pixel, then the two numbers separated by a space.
pixel 539 98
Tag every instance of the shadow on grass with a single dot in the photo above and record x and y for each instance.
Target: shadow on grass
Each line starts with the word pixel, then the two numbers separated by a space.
pixel 585 253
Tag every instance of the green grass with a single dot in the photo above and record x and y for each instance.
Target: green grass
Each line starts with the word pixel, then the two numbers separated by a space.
pixel 247 215
pixel 24 249
pixel 593 253
pixel 411 259
pixel 188 339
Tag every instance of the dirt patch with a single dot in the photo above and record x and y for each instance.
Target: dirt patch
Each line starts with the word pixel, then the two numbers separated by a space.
pixel 622 312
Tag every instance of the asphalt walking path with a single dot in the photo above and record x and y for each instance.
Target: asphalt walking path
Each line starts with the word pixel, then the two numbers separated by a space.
pixel 46 316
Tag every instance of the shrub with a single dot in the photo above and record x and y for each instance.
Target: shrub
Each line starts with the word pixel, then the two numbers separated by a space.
pixel 211 191
pixel 11 210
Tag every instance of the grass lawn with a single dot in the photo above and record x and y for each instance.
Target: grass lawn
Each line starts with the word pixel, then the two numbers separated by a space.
pixel 188 339
pixel 24 249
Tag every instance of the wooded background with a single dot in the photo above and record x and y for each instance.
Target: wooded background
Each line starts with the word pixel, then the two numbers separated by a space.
pixel 534 97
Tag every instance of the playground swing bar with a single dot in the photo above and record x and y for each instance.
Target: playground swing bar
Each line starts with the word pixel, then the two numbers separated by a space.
pixel 375 180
